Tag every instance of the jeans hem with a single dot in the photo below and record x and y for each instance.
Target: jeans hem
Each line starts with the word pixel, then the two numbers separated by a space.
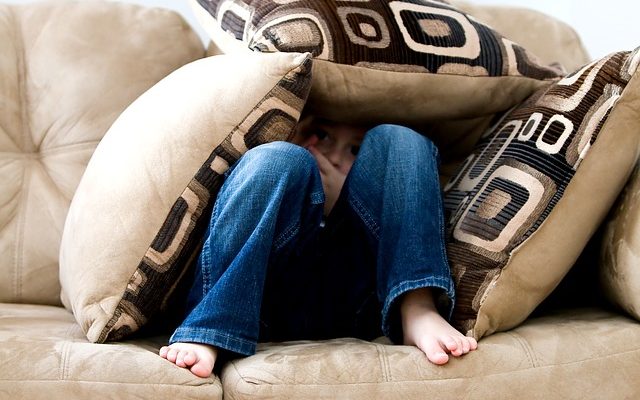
pixel 431 282
pixel 214 337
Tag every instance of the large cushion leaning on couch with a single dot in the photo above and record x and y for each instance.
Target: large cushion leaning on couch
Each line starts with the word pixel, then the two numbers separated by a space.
pixel 139 214
pixel 54 111
pixel 620 254
pixel 384 61
pixel 528 199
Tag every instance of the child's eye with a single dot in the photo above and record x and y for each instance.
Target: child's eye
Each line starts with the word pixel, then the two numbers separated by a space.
pixel 355 150
pixel 321 134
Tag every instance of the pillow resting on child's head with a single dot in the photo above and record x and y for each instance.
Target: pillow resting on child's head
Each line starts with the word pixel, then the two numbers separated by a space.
pixel 524 204
pixel 140 211
pixel 403 61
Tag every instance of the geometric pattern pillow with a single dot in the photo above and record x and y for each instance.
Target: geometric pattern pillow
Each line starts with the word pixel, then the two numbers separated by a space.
pixel 143 204
pixel 524 204
pixel 371 56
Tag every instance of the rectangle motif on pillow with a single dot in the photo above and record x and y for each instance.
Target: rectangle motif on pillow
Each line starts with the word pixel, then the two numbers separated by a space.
pixel 512 185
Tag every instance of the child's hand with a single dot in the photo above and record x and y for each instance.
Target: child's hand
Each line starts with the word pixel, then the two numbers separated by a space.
pixel 332 179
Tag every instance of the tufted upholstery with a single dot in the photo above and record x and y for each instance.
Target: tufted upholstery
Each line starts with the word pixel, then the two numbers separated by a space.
pixel 67 70
pixel 63 81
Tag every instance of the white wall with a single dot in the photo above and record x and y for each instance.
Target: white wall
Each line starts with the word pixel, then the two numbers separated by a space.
pixel 604 26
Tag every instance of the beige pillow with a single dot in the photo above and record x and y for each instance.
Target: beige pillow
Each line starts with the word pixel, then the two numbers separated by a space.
pixel 144 201
pixel 620 254
pixel 525 203
pixel 67 70
pixel 384 61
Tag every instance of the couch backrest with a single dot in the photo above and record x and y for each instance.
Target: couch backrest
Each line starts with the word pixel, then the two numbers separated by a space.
pixel 67 70
pixel 552 40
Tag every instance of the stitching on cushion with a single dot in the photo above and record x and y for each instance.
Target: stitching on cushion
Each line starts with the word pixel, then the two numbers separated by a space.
pixel 20 213
pixel 192 387
pixel 22 218
pixel 64 361
pixel 21 69
pixel 533 359
pixel 426 380
pixel 66 147
pixel 385 367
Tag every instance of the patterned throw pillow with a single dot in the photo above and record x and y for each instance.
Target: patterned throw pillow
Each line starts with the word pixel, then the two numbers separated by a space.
pixel 142 206
pixel 524 204
pixel 404 61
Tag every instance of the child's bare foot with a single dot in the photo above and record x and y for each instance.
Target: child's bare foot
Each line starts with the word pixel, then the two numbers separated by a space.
pixel 425 328
pixel 198 358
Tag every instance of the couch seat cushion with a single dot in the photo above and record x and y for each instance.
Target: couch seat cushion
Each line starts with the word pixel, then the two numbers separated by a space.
pixel 565 355
pixel 45 355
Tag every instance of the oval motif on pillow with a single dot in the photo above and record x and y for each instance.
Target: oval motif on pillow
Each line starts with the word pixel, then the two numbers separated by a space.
pixel 523 206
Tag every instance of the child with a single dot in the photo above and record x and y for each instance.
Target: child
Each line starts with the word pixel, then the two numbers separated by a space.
pixel 339 234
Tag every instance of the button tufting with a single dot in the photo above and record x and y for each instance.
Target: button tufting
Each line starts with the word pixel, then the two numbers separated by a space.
pixel 67 70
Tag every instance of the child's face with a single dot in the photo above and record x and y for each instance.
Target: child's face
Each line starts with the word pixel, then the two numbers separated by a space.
pixel 338 142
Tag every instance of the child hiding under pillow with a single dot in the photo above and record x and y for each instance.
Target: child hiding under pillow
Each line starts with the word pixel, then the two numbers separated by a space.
pixel 338 235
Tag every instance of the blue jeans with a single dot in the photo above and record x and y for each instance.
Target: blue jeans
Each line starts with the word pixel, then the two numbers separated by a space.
pixel 270 271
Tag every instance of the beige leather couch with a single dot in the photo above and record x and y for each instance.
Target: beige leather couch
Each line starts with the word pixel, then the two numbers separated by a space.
pixel 67 70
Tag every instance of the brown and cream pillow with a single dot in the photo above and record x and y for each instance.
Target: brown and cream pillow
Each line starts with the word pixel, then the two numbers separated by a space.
pixel 524 204
pixel 403 61
pixel 142 205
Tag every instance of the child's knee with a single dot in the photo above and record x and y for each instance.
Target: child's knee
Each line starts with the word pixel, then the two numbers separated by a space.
pixel 274 153
pixel 398 141
pixel 280 159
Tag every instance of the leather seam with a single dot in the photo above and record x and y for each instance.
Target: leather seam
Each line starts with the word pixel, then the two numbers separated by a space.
pixel 384 363
pixel 533 360
pixel 22 206
pixel 64 362
pixel 21 69
pixel 399 382
pixel 22 218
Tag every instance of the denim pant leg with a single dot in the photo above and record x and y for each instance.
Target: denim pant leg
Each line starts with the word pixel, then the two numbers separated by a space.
pixel 394 188
pixel 270 194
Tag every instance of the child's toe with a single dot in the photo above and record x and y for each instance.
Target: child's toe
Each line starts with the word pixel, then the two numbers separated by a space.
pixel 450 343
pixel 172 354
pixel 459 350
pixel 203 368
pixel 163 351
pixel 190 358
pixel 434 352
pixel 180 358
pixel 466 346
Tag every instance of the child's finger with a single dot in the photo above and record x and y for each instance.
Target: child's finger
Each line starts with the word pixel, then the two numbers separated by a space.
pixel 323 163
